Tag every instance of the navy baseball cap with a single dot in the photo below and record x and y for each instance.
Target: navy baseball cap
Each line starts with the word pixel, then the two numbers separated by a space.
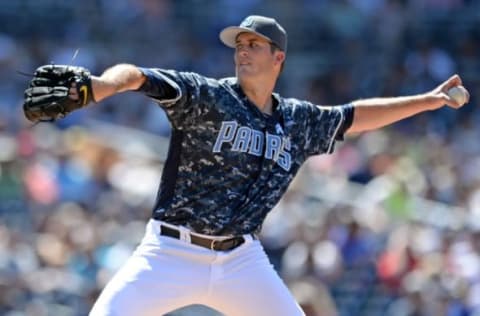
pixel 263 26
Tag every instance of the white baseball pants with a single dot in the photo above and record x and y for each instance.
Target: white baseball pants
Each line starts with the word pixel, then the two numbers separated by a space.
pixel 164 274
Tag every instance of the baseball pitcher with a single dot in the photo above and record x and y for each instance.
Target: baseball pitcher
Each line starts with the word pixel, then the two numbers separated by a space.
pixel 235 147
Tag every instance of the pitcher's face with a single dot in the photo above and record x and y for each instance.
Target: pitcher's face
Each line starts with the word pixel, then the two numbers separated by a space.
pixel 254 56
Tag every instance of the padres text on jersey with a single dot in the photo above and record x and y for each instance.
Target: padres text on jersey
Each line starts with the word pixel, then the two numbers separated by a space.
pixel 247 140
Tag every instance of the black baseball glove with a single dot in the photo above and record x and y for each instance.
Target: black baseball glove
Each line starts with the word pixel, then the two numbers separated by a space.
pixel 47 97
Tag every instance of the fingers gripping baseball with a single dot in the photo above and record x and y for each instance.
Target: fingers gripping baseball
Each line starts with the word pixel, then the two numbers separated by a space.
pixel 458 95
pixel 453 92
pixel 49 96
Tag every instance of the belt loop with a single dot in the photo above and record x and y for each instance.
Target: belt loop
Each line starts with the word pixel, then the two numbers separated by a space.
pixel 156 227
pixel 248 238
pixel 212 245
pixel 184 234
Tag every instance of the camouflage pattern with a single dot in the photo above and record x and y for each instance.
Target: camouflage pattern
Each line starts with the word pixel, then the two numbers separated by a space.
pixel 229 163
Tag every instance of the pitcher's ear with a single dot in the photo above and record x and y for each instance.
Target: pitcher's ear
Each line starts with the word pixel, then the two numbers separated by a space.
pixel 280 56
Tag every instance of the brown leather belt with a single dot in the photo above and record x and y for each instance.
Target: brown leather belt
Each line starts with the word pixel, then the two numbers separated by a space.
pixel 212 244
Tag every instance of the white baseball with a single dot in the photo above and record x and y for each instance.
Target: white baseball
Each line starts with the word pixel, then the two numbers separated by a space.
pixel 459 94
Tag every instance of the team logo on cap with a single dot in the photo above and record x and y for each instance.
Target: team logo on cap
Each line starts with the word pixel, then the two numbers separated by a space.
pixel 248 22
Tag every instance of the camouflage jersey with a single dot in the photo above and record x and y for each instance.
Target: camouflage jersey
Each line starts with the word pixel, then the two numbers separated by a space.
pixel 228 163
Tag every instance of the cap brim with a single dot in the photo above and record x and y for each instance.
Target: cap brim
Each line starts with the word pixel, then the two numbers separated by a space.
pixel 229 35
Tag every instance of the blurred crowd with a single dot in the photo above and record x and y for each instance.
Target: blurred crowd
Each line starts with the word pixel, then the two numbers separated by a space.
pixel 387 225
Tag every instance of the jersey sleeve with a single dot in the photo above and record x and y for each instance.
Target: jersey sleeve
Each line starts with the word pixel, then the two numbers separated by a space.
pixel 325 126
pixel 178 93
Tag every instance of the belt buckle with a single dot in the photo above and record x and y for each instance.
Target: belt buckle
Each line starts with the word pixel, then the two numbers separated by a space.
pixel 212 245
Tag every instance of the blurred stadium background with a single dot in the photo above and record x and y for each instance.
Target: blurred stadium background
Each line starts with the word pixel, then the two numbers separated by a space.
pixel 388 225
